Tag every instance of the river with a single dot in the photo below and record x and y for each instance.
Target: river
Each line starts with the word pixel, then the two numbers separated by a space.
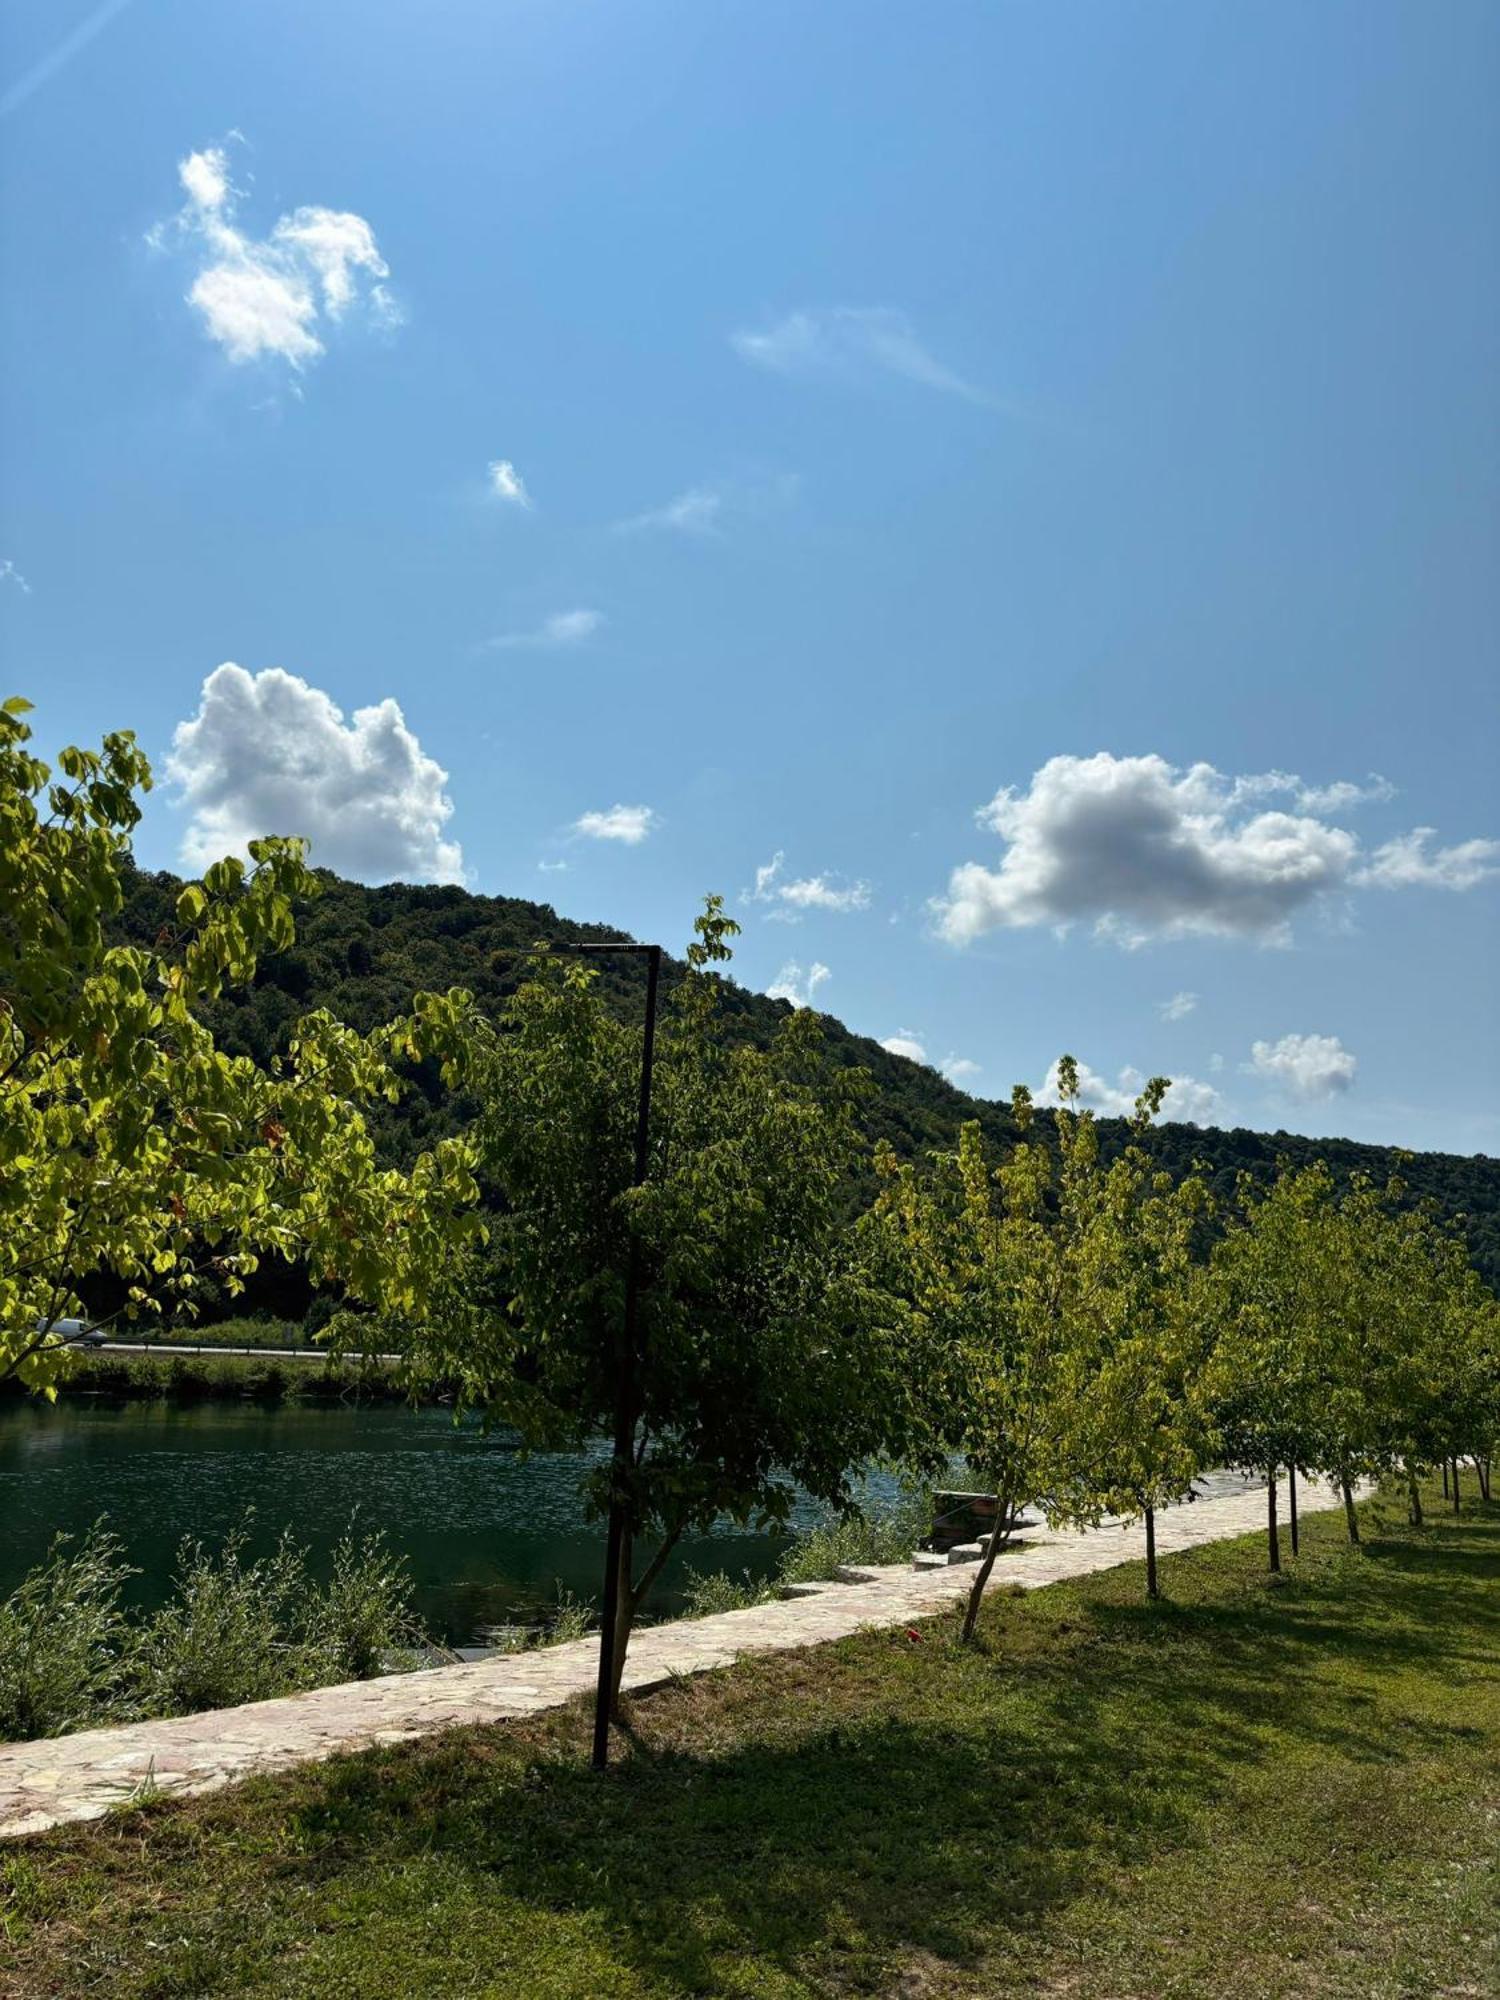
pixel 490 1536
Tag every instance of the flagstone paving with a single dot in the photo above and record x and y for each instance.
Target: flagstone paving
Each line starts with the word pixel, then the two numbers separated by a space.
pixel 86 1775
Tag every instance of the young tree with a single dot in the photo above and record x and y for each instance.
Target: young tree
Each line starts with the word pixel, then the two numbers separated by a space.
pixel 1141 1427
pixel 129 1144
pixel 757 1357
pixel 997 1267
pixel 1274 1283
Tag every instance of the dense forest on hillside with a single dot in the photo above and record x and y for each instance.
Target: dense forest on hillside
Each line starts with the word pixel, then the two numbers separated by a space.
pixel 362 953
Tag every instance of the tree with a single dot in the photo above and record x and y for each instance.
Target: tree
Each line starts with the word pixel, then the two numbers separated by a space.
pixel 759 1358
pixel 996 1267
pixel 1140 1426
pixel 130 1145
pixel 1273 1290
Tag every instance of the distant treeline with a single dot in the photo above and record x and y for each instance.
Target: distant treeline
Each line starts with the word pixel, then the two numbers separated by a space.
pixel 362 952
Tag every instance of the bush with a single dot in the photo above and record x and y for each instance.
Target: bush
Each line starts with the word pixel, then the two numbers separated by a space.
pixel 889 1536
pixel 362 1624
pixel 706 1594
pixel 66 1646
pixel 229 1636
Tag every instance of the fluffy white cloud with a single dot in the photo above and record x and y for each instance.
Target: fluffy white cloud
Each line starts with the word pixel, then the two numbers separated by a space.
pixel 1145 849
pixel 278 295
pixel 266 753
pixel 629 824
pixel 959 1069
pixel 1187 1102
pixel 849 340
pixel 905 1043
pixel 805 892
pixel 1307 1067
pixel 1412 862
pixel 562 628
pixel 796 986
pixel 10 574
pixel 506 483
pixel 1178 1007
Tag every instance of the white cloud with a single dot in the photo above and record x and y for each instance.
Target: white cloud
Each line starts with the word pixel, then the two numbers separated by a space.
pixel 1215 1064
pixel 1187 1102
pixel 695 512
pixel 553 867
pixel 959 1069
pixel 805 892
pixel 10 574
pixel 905 1042
pixel 850 340
pixel 795 986
pixel 1307 1067
pixel 506 483
pixel 1145 849
pixel 1411 862
pixel 1178 1007
pixel 266 753
pixel 629 824
pixel 277 296
pixel 562 628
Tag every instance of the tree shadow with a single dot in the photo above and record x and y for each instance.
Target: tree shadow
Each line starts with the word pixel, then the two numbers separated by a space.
pixel 963 1795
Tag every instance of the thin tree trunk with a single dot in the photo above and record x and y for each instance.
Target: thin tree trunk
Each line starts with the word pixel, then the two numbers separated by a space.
pixel 1414 1491
pixel 1445 1478
pixel 1291 1502
pixel 1456 1508
pixel 1351 1519
pixel 1482 1469
pixel 1004 1519
pixel 625 1603
pixel 1273 1535
pixel 1152 1589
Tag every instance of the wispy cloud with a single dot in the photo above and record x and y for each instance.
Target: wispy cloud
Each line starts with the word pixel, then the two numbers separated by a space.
pixel 695 512
pixel 506 483
pixel 70 45
pixel 10 574
pixel 851 340
pixel 797 987
pixel 279 296
pixel 1178 1007
pixel 561 629
pixel 627 824
pixel 805 892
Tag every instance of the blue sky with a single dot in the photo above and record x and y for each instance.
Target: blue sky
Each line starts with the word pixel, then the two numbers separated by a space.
pixel 1034 469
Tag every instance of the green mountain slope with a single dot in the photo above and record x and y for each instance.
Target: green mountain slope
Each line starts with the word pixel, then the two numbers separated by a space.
pixel 362 952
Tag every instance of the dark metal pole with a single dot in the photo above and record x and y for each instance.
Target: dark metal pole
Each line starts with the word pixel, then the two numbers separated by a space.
pixel 620 1467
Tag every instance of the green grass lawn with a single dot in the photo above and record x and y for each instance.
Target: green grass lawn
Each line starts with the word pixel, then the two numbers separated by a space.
pixel 1253 1789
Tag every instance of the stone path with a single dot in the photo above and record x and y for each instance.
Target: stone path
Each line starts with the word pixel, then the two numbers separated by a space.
pixel 86 1775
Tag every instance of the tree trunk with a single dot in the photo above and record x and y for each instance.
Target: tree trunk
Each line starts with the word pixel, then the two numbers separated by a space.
pixel 1445 1478
pixel 1291 1504
pixel 1482 1469
pixel 1351 1519
pixel 1004 1520
pixel 625 1603
pixel 1152 1590
pixel 1414 1492
pixel 1273 1536
pixel 1456 1507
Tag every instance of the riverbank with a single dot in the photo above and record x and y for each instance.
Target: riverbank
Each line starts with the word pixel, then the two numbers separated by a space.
pixel 217 1377
pixel 1275 1789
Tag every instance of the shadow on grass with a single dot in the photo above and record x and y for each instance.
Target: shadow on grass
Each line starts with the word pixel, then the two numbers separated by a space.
pixel 960 1795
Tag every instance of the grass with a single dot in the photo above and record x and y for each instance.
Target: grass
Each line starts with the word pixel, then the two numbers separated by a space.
pixel 1269 1790
pixel 210 1377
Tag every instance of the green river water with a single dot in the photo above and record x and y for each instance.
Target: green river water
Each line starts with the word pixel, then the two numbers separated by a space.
pixel 489 1535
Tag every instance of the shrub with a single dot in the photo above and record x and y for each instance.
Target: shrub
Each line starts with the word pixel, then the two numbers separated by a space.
pixel 888 1536
pixel 229 1635
pixel 362 1624
pixel 706 1594
pixel 66 1646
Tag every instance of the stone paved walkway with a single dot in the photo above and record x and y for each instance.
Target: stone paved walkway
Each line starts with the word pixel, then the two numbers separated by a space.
pixel 84 1776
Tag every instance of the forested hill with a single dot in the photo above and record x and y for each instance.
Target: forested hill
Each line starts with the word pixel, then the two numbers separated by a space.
pixel 363 952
